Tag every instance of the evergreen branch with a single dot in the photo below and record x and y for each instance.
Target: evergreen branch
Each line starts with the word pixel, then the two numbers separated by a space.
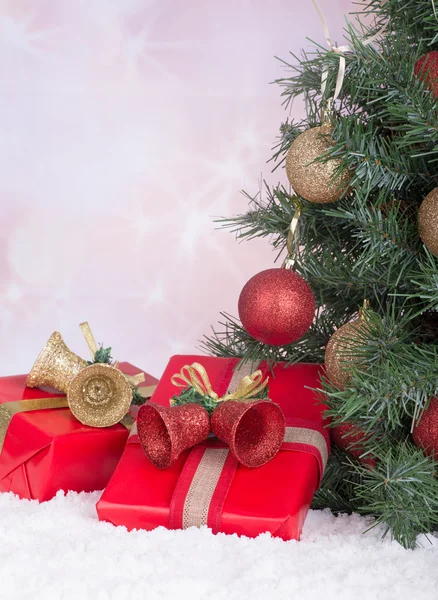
pixel 102 355
pixel 191 396
pixel 338 485
pixel 137 398
pixel 401 492
pixel 392 381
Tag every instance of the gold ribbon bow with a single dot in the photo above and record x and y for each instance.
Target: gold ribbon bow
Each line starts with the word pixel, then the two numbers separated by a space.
pixel 196 376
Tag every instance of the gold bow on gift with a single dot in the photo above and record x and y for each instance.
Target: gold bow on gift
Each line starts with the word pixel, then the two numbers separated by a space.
pixel 196 376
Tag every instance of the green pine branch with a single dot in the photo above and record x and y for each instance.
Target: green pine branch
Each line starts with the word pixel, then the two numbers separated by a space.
pixel 102 355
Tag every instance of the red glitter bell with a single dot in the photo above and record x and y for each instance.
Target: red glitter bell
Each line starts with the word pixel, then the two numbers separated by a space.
pixel 254 431
pixel 165 432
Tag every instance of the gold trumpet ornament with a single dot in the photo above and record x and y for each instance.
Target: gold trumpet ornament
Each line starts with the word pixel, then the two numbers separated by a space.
pixel 56 365
pixel 98 393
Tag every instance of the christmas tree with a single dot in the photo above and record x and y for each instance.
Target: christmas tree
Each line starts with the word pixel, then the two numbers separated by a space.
pixel 359 224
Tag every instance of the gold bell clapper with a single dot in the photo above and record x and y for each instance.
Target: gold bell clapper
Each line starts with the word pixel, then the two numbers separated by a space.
pixel 56 365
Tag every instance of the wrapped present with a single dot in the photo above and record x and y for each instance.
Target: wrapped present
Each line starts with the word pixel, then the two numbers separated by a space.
pixel 208 484
pixel 52 441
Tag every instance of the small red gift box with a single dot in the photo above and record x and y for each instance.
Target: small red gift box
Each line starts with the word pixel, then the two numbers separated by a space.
pixel 49 450
pixel 206 485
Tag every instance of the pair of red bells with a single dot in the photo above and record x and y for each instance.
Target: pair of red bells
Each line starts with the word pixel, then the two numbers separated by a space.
pixel 253 430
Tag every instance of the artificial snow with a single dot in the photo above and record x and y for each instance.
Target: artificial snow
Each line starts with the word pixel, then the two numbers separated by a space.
pixel 59 550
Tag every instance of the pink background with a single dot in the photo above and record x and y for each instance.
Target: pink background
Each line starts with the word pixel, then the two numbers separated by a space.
pixel 126 126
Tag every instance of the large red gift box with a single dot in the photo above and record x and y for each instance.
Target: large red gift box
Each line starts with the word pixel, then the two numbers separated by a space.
pixel 273 498
pixel 49 450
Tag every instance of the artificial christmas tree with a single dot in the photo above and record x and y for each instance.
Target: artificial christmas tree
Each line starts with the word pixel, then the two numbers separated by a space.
pixel 382 112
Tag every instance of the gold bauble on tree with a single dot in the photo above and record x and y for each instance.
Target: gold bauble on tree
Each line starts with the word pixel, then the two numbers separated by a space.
pixel 339 353
pixel 428 221
pixel 315 181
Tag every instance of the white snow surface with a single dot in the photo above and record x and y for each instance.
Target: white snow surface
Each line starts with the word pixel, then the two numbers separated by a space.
pixel 59 550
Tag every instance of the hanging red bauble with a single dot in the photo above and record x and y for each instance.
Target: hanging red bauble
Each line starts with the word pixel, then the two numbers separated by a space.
pixel 276 307
pixel 425 433
pixel 351 439
pixel 426 68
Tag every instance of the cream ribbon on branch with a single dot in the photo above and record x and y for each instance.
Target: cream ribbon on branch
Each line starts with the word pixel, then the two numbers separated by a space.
pixel 341 51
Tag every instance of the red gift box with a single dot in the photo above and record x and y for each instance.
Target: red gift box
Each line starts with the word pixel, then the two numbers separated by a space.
pixel 273 498
pixel 49 450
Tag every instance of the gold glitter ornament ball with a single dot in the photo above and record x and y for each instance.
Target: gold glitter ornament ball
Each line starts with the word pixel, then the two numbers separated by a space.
pixel 428 221
pixel 315 182
pixel 339 353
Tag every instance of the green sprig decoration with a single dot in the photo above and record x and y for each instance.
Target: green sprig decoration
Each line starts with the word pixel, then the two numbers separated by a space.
pixel 137 398
pixel 102 355
pixel 191 396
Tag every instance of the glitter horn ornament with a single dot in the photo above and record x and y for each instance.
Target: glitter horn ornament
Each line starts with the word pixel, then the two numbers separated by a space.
pixel 165 432
pixel 55 366
pixel 339 352
pixel 254 431
pixel 428 221
pixel 314 180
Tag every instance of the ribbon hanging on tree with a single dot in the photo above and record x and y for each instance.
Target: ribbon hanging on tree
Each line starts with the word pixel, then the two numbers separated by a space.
pixel 341 51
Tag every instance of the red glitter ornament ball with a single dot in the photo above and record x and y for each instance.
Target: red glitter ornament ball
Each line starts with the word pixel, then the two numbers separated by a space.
pixel 348 437
pixel 425 433
pixel 276 307
pixel 426 68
